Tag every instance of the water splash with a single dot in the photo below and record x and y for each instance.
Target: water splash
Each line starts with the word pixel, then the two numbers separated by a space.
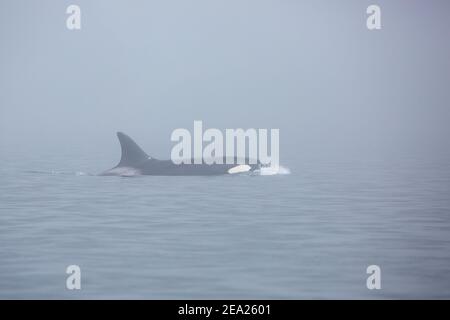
pixel 273 170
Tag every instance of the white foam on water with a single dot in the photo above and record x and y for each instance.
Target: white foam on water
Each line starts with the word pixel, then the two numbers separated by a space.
pixel 124 172
pixel 58 172
pixel 273 170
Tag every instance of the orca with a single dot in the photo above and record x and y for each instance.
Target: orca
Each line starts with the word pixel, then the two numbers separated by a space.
pixel 134 162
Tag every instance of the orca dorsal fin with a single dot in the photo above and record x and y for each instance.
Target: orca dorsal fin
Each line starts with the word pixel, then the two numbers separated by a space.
pixel 132 154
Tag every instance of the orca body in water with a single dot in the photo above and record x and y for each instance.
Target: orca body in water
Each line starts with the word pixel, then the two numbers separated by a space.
pixel 134 161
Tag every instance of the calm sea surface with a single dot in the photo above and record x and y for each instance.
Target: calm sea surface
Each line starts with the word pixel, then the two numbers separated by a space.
pixel 308 234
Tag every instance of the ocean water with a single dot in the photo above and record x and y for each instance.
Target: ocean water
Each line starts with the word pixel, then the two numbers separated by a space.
pixel 308 234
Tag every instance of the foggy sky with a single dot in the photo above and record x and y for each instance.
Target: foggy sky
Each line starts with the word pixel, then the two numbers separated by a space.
pixel 310 68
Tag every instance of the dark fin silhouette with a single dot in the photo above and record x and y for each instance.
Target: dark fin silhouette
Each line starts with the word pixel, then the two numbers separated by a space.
pixel 132 154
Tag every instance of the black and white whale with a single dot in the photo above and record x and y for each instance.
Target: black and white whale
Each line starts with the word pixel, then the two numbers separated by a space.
pixel 134 161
